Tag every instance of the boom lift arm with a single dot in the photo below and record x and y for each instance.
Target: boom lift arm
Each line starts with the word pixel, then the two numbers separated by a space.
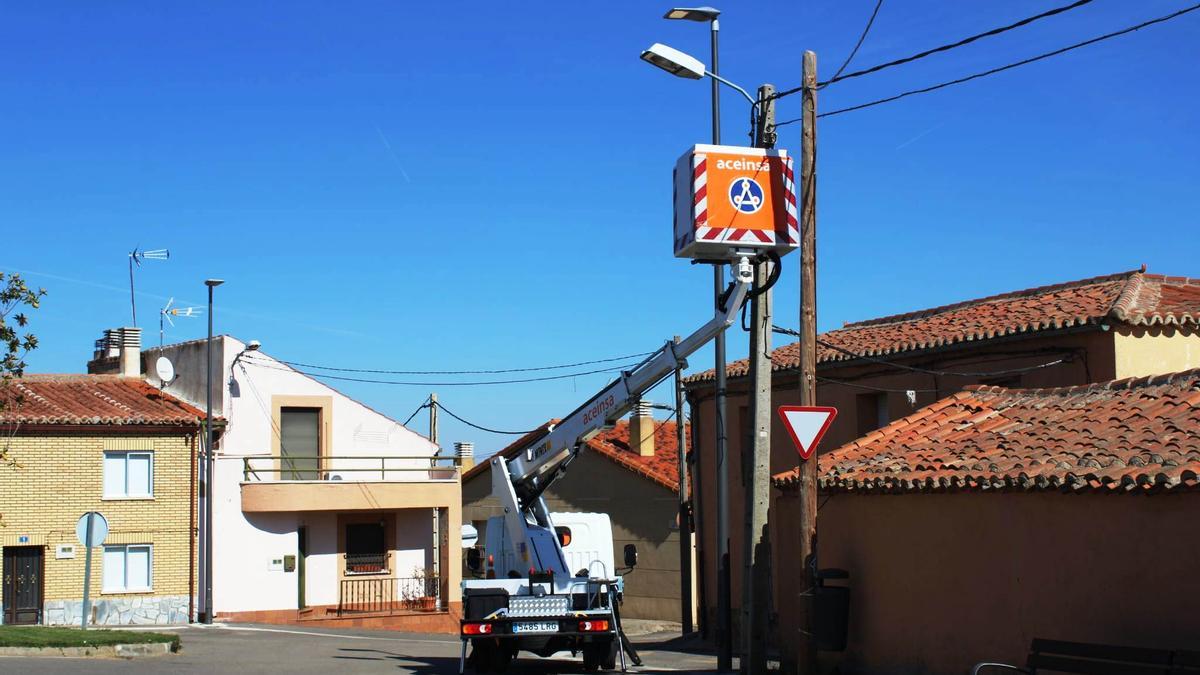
pixel 520 483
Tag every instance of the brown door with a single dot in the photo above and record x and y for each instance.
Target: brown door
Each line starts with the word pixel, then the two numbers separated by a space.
pixel 22 589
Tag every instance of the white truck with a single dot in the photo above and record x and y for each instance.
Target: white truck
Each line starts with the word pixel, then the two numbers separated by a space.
pixel 536 598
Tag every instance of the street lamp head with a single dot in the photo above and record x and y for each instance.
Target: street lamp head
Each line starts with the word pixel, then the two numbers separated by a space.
pixel 674 61
pixel 693 13
pixel 213 283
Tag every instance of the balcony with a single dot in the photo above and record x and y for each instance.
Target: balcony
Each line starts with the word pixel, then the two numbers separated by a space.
pixel 274 484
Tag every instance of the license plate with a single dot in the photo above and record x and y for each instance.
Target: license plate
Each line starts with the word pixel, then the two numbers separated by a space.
pixel 535 627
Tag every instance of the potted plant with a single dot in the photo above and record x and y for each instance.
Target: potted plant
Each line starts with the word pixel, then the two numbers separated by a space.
pixel 424 595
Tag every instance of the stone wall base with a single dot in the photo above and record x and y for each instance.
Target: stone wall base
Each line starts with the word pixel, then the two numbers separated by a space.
pixel 146 610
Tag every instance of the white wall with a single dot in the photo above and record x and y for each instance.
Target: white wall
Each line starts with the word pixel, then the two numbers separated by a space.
pixel 245 543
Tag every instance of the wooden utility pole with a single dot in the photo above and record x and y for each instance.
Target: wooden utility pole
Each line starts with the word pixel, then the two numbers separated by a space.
pixel 757 479
pixel 685 521
pixel 805 640
pixel 433 421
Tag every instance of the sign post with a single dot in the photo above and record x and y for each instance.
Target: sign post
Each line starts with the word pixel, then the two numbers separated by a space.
pixel 806 424
pixel 91 530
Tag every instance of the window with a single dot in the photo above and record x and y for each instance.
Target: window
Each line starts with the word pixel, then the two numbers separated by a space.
pixel 366 552
pixel 126 568
pixel 299 443
pixel 128 474
pixel 871 411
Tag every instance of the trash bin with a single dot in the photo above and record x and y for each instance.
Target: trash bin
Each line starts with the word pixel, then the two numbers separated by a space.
pixel 832 610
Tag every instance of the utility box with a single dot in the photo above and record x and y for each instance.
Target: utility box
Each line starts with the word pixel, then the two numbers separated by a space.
pixel 729 197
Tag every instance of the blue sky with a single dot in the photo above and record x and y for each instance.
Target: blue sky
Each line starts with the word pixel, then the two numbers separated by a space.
pixel 456 186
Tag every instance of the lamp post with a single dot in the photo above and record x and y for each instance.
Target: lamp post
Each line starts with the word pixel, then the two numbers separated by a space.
pixel 724 651
pixel 209 464
pixel 683 65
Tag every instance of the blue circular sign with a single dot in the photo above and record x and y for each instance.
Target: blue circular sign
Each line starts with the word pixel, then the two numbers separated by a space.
pixel 746 195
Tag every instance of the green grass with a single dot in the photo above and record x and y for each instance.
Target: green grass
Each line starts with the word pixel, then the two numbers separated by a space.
pixel 43 636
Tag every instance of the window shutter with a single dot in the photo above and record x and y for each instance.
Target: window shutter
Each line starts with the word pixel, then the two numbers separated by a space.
pixel 114 474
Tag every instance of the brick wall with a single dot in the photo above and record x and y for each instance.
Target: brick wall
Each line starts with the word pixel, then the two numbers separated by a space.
pixel 56 478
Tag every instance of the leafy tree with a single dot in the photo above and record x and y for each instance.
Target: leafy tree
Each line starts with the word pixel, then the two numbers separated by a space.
pixel 15 296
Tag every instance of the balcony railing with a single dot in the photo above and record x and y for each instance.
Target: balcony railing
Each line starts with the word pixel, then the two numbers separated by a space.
pixel 366 563
pixel 389 595
pixel 272 468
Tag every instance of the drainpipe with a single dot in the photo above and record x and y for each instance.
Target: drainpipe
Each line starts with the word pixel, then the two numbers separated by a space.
pixel 192 534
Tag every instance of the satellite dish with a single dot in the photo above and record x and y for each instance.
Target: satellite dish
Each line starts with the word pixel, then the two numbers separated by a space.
pixel 164 369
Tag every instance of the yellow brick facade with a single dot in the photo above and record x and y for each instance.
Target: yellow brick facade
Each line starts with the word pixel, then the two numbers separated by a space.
pixel 59 476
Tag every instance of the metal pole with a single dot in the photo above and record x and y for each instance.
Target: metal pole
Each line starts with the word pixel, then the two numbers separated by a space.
pixel 87 573
pixel 806 648
pixel 685 525
pixel 433 418
pixel 209 463
pixel 132 300
pixel 724 627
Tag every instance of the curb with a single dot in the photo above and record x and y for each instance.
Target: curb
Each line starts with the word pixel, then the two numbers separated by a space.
pixel 123 651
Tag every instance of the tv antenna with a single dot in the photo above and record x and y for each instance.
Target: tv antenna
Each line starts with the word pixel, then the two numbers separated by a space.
pixel 168 311
pixel 136 257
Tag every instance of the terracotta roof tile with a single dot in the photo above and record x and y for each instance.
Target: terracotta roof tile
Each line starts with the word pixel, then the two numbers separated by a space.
pixel 1133 297
pixel 613 444
pixel 91 400
pixel 1138 434
pixel 662 468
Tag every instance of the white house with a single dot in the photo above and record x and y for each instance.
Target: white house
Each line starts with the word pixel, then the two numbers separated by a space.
pixel 323 508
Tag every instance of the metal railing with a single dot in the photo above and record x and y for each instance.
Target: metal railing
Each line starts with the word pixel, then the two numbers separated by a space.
pixel 389 595
pixel 366 563
pixel 271 468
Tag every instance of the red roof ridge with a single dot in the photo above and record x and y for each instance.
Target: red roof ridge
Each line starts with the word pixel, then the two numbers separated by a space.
pixel 1028 292
pixel 1136 434
pixel 1138 382
pixel 69 377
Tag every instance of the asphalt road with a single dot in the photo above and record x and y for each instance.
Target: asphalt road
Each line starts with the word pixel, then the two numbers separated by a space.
pixel 285 649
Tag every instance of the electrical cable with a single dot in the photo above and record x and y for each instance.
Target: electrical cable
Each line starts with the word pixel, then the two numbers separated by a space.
pixel 916 369
pixel 1001 69
pixel 838 77
pixel 446 384
pixel 480 427
pixel 462 372
pixel 776 270
pixel 854 51
pixel 414 413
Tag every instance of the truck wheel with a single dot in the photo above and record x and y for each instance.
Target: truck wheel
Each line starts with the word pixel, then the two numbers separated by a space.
pixel 501 657
pixel 608 654
pixel 482 653
pixel 591 658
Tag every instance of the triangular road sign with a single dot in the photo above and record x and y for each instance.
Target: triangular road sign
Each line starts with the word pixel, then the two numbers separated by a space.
pixel 806 424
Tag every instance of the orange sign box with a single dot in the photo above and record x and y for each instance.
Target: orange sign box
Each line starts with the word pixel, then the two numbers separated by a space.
pixel 729 197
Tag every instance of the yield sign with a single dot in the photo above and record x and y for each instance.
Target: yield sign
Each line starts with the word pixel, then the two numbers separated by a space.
pixel 806 424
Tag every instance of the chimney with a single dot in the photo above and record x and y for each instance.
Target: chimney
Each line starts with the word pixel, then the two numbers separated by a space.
pixel 465 450
pixel 130 358
pixel 641 429
pixel 106 357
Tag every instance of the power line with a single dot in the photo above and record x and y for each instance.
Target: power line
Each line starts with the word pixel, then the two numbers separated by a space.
pixel 929 52
pixel 414 413
pixel 1010 66
pixel 854 51
pixel 916 369
pixel 480 427
pixel 263 364
pixel 830 380
pixel 299 364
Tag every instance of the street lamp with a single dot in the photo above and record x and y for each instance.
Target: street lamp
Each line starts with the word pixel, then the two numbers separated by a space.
pixel 682 65
pixel 209 465
pixel 685 65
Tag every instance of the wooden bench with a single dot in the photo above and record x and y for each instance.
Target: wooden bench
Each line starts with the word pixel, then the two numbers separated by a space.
pixel 1057 656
